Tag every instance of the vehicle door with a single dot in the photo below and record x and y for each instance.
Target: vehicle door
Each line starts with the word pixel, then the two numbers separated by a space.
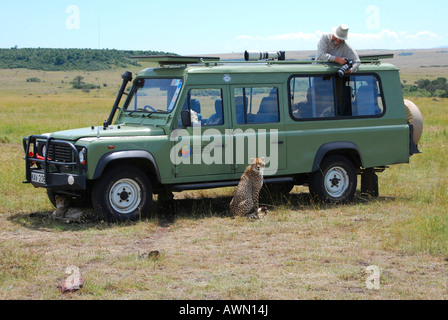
pixel 258 128
pixel 199 149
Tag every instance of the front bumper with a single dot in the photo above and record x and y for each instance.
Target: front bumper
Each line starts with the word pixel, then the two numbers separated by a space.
pixel 52 171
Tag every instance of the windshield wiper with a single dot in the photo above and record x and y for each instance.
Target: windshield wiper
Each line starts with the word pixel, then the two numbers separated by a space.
pixel 160 111
pixel 131 112
pixel 146 113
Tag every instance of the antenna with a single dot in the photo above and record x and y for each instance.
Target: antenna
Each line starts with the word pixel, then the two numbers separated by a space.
pixel 99 33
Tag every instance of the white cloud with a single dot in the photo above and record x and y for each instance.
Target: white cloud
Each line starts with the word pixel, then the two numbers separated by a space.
pixel 243 37
pixel 284 37
pixel 383 34
pixel 384 39
pixel 387 39
pixel 296 36
pixel 422 35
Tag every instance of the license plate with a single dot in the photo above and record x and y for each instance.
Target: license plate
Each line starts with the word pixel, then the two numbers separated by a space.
pixel 38 177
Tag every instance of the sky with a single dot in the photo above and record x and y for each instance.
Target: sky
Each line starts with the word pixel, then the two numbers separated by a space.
pixel 207 27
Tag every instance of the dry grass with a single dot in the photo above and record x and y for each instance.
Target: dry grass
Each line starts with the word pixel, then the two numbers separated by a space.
pixel 301 250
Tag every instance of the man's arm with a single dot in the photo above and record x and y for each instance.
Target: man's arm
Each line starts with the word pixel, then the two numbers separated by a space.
pixel 351 54
pixel 322 49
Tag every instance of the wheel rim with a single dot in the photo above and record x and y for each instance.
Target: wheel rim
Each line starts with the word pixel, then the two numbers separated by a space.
pixel 336 181
pixel 125 196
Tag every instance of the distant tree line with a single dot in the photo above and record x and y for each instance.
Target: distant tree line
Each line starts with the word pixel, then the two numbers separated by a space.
pixel 427 88
pixel 70 59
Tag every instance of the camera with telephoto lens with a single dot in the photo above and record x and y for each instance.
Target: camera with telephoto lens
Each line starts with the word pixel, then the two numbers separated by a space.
pixel 251 55
pixel 345 68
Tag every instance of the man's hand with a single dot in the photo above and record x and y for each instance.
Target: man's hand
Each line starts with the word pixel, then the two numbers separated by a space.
pixel 340 60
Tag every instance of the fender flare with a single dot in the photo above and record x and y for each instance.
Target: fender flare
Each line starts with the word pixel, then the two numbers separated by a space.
pixel 334 146
pixel 120 155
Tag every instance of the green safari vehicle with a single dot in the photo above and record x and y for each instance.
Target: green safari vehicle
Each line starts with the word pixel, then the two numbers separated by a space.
pixel 196 122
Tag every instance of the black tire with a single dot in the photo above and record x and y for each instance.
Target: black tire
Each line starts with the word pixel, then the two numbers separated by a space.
pixel 335 181
pixel 124 193
pixel 84 201
pixel 51 196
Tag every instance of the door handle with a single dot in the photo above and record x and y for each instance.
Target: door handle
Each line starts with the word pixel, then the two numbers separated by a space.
pixel 277 142
pixel 215 146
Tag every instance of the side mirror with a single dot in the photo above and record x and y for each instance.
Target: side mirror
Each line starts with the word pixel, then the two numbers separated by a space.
pixel 140 83
pixel 186 118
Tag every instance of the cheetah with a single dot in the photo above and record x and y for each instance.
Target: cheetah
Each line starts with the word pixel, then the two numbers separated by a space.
pixel 246 199
pixel 70 214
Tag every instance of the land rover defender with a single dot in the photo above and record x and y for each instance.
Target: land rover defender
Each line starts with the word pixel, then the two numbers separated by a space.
pixel 195 123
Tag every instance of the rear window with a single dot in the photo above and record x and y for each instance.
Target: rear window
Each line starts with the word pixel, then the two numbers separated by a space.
pixel 366 98
pixel 329 97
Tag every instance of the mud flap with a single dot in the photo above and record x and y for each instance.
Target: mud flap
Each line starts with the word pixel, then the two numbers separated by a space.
pixel 369 182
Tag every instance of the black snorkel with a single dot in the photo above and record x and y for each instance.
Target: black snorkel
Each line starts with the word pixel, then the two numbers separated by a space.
pixel 127 77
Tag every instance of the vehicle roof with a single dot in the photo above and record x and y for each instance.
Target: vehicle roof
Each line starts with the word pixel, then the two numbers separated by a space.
pixel 183 65
pixel 296 67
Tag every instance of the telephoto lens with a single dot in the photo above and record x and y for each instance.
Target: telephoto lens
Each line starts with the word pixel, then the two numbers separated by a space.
pixel 252 55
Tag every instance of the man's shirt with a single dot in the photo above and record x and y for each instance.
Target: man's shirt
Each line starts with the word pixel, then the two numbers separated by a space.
pixel 326 51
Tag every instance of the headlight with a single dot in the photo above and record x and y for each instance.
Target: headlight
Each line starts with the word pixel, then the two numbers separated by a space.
pixel 41 148
pixel 83 156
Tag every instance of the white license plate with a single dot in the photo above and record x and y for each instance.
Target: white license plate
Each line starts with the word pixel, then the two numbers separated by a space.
pixel 38 177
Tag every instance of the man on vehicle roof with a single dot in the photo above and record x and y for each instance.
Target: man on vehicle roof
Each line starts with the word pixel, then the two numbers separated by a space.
pixel 333 47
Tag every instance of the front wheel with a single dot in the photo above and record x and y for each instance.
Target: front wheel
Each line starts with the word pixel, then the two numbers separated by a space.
pixel 123 193
pixel 335 181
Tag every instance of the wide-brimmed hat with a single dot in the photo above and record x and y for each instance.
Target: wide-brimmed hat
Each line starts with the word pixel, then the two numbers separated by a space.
pixel 341 32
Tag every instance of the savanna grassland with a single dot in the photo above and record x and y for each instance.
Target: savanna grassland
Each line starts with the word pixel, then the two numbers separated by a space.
pixel 300 250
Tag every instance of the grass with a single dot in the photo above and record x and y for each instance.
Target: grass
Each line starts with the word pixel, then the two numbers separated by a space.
pixel 300 250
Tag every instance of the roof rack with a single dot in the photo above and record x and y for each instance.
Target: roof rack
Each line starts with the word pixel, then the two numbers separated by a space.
pixel 177 60
pixel 367 58
pixel 173 60
pixel 375 57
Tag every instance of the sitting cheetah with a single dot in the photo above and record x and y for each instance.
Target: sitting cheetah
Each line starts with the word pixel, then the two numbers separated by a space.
pixel 68 214
pixel 245 201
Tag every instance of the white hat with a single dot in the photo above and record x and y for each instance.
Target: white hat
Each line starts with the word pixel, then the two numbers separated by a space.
pixel 341 32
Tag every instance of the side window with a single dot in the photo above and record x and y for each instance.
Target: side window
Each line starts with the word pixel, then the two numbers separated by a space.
pixel 366 95
pixel 356 96
pixel 256 105
pixel 205 105
pixel 312 97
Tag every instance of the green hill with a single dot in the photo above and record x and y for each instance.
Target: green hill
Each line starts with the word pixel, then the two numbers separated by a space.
pixel 70 59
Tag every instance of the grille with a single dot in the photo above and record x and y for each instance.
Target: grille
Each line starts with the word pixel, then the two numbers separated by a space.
pixel 60 153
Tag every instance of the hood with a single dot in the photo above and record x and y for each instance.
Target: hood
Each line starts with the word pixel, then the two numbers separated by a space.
pixel 111 131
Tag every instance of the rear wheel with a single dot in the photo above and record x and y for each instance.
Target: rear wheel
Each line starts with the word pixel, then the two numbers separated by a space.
pixel 335 181
pixel 123 193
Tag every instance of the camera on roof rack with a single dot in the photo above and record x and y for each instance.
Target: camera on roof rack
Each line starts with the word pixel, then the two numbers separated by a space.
pixel 252 55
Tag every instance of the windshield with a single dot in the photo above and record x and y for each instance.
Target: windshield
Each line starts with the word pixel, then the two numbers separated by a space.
pixel 154 95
